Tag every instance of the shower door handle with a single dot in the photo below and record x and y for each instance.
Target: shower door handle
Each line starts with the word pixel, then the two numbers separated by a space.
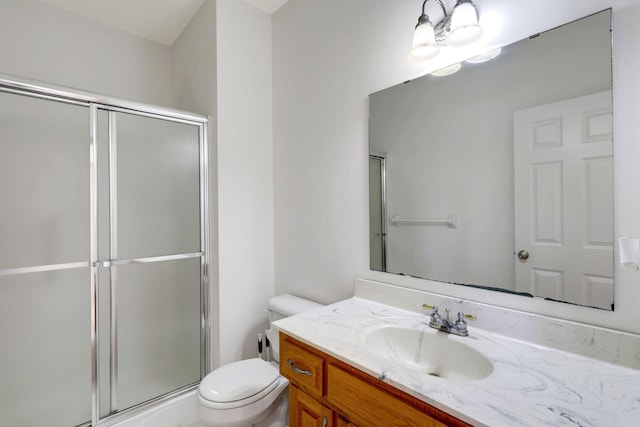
pixel 101 264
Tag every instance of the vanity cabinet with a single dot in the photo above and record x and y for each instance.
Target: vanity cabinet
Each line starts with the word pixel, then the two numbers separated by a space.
pixel 326 392
pixel 305 411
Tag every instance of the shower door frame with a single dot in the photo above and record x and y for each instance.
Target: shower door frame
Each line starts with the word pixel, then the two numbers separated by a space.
pixel 94 102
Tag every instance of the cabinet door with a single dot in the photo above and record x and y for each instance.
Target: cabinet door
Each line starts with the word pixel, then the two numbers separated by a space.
pixel 304 411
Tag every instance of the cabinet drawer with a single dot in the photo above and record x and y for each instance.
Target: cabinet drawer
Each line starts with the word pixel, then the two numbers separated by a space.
pixel 302 367
pixel 368 405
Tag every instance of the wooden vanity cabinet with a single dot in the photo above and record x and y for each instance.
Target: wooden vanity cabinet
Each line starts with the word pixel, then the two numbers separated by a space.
pixel 341 422
pixel 325 392
pixel 305 411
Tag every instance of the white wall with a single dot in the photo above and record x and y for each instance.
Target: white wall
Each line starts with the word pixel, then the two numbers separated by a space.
pixel 328 57
pixel 46 43
pixel 194 63
pixel 195 89
pixel 320 134
pixel 222 68
pixel 245 176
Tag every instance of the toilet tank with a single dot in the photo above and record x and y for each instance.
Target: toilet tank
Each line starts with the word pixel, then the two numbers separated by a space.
pixel 282 306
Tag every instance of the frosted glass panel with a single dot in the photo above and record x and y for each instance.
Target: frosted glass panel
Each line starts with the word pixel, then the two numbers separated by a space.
pixel 147 190
pixel 45 374
pixel 158 329
pixel 44 182
pixel 158 168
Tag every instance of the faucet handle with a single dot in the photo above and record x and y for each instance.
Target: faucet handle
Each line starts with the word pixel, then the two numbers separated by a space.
pixel 434 313
pixel 432 307
pixel 461 325
pixel 467 316
pixel 435 319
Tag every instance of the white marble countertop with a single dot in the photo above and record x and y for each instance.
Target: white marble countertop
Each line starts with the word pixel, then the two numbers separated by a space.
pixel 530 385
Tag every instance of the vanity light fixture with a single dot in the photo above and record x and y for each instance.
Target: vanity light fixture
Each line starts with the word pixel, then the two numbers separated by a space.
pixel 464 28
pixel 458 28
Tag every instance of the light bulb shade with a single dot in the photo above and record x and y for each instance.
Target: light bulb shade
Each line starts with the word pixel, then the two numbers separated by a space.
pixel 485 56
pixel 464 27
pixel 447 71
pixel 424 43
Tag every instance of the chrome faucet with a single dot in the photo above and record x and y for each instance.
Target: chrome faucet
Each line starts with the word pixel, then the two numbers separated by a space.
pixel 458 327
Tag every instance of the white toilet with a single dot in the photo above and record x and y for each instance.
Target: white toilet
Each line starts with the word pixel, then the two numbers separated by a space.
pixel 251 393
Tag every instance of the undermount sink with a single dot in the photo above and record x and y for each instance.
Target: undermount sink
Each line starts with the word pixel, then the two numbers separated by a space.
pixel 427 351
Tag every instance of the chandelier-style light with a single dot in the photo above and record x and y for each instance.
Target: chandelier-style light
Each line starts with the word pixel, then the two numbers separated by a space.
pixel 458 28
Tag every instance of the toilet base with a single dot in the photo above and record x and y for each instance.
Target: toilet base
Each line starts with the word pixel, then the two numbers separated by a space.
pixel 278 415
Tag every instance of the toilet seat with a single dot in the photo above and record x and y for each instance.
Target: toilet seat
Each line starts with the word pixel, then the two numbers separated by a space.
pixel 238 384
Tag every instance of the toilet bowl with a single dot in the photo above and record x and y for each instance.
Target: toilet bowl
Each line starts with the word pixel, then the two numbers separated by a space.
pixel 241 394
pixel 251 393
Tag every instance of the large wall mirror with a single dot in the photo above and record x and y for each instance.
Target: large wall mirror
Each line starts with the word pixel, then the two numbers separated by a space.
pixel 500 176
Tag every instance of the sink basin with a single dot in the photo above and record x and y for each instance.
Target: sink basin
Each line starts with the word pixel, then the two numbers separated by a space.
pixel 427 351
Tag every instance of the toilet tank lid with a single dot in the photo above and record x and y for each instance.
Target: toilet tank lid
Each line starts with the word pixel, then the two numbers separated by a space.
pixel 290 305
pixel 238 380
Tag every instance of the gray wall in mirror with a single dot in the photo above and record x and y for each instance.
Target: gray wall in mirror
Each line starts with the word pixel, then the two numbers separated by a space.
pixel 448 144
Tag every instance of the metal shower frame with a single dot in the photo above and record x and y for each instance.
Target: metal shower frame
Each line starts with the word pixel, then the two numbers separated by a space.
pixel 95 102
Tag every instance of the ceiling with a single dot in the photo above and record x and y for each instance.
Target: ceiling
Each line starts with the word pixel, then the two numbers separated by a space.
pixel 159 20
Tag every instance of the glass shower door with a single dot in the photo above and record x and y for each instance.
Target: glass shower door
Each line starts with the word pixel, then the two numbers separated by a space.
pixel 45 355
pixel 153 252
pixel 103 292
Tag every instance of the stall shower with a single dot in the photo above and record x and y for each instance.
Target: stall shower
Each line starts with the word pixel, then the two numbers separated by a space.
pixel 103 255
